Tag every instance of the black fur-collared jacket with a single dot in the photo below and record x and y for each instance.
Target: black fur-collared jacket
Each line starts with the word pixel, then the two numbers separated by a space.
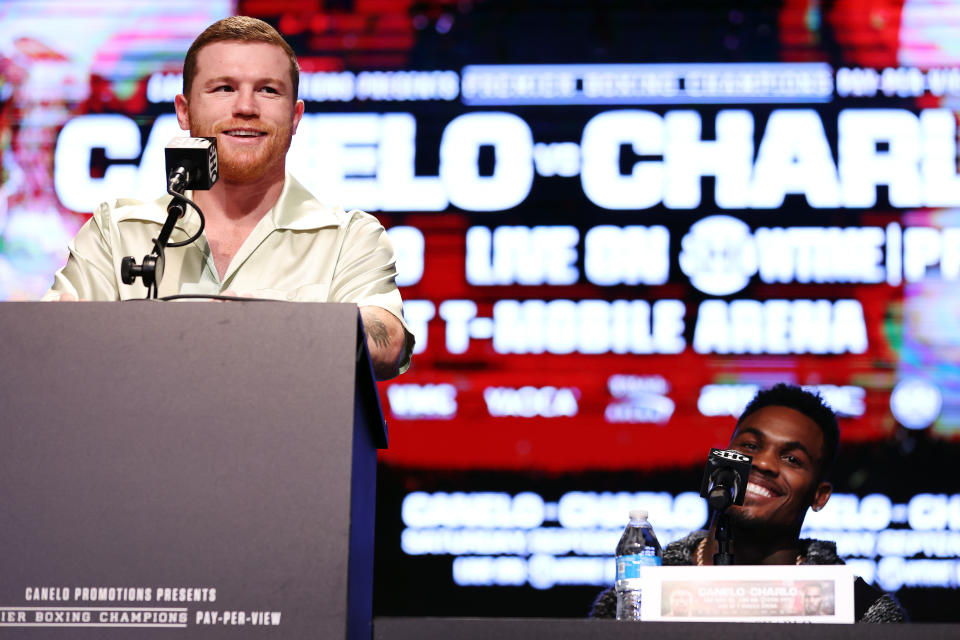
pixel 870 604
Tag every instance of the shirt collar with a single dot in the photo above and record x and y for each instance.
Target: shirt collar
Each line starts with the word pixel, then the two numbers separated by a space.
pixel 296 209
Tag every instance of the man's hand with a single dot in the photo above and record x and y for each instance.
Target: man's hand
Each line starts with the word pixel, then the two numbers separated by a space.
pixel 385 341
pixel 67 297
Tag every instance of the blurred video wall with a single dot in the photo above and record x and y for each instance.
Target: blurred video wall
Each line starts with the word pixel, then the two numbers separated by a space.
pixel 614 222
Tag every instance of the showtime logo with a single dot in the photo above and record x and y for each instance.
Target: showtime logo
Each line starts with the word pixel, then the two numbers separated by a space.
pixel 718 255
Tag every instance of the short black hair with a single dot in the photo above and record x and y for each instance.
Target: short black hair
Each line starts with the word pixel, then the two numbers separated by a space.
pixel 809 404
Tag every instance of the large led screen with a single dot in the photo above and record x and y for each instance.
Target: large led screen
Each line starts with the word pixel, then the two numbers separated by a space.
pixel 614 222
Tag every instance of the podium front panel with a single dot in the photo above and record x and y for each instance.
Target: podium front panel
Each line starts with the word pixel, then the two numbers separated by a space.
pixel 181 468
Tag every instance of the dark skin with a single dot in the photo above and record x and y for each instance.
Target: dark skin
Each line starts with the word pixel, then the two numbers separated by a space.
pixel 786 480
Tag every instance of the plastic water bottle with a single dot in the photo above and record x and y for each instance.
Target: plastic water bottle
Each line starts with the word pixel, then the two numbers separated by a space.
pixel 638 548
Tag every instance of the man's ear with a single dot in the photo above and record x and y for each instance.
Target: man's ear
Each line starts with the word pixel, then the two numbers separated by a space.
pixel 821 495
pixel 297 114
pixel 183 115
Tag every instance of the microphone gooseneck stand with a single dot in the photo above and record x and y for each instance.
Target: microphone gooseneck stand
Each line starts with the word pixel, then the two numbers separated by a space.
pixel 721 496
pixel 151 270
pixel 723 556
pixel 723 484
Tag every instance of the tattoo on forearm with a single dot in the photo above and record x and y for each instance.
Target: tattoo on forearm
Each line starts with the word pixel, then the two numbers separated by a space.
pixel 377 331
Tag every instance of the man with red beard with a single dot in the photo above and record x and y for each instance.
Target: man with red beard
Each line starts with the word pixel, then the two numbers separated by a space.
pixel 265 235
pixel 793 437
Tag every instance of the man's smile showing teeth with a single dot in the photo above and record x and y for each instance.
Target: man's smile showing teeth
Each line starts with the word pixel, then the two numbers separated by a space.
pixel 244 133
pixel 758 490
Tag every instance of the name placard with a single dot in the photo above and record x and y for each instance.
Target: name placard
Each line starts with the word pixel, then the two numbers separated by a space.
pixel 808 593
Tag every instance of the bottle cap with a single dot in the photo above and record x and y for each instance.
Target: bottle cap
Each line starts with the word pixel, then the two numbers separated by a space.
pixel 638 514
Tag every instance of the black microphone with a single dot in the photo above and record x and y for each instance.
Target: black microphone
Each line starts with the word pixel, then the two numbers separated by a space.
pixel 191 163
pixel 725 478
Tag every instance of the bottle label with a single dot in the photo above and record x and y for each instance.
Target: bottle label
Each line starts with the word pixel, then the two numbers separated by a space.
pixel 630 566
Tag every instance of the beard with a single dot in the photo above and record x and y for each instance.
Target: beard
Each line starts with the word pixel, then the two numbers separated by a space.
pixel 744 520
pixel 244 165
pixel 761 526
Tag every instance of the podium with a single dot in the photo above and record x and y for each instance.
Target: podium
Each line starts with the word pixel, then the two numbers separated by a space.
pixel 582 629
pixel 186 469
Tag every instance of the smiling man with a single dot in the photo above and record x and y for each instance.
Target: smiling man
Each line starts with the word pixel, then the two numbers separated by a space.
pixel 793 437
pixel 266 236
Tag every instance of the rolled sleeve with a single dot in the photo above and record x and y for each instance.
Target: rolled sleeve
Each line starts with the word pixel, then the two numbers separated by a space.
pixel 366 273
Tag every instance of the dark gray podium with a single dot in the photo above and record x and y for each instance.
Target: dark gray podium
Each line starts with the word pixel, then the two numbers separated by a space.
pixel 186 470
pixel 581 629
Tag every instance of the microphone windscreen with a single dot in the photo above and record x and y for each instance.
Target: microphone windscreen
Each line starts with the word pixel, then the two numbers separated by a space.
pixel 734 461
pixel 198 156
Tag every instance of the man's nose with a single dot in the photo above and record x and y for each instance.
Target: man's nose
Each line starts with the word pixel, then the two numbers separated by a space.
pixel 245 104
pixel 766 461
